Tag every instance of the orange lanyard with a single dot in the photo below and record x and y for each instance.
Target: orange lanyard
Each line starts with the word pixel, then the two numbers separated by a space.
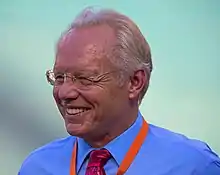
pixel 129 157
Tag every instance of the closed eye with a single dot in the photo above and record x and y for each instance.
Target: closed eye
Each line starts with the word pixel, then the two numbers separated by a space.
pixel 59 76
pixel 85 81
pixel 59 79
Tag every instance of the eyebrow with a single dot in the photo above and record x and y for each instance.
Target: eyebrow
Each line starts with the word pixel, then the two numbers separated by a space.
pixel 78 72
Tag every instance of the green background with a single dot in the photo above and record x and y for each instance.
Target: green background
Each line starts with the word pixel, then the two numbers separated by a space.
pixel 184 94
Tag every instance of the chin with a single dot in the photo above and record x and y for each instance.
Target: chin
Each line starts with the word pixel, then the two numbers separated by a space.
pixel 76 130
pixel 74 133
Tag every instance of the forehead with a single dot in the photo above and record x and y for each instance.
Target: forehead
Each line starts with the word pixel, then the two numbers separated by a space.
pixel 84 48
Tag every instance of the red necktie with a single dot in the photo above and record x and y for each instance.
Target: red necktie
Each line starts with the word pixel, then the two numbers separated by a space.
pixel 97 160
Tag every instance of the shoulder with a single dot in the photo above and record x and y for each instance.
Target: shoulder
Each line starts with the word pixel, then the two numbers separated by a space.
pixel 55 146
pixel 39 158
pixel 181 150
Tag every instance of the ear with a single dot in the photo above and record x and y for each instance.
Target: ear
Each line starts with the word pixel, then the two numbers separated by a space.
pixel 137 83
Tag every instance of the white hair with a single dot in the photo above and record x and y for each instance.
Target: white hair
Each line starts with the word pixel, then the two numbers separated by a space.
pixel 131 51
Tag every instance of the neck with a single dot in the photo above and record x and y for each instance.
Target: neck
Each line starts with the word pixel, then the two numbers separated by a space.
pixel 113 131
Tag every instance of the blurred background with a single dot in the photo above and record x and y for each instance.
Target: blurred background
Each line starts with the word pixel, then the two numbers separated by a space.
pixel 184 94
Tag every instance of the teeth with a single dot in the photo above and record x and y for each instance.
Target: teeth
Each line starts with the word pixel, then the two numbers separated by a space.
pixel 74 111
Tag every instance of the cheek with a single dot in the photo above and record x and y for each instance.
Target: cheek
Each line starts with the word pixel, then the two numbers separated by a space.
pixel 113 94
pixel 57 100
pixel 118 98
pixel 99 97
pixel 55 95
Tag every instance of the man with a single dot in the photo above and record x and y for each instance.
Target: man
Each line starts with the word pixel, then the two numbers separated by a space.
pixel 101 74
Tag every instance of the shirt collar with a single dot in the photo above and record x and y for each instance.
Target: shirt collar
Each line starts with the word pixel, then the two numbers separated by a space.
pixel 115 146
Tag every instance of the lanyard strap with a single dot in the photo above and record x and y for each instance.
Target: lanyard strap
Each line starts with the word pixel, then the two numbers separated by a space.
pixel 129 157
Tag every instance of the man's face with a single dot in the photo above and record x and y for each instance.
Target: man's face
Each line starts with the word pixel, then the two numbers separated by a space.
pixel 96 108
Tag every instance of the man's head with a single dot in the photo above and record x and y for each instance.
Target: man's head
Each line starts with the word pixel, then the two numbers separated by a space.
pixel 102 71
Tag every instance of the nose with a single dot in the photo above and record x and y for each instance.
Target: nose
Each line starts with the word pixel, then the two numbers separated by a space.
pixel 67 92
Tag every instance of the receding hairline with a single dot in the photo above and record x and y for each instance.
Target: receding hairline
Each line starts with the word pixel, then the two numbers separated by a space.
pixel 107 44
pixel 132 51
pixel 90 15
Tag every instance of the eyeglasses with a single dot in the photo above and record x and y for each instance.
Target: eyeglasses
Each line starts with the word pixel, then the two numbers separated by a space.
pixel 82 82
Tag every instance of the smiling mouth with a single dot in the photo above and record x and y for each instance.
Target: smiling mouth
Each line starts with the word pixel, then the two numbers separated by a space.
pixel 76 111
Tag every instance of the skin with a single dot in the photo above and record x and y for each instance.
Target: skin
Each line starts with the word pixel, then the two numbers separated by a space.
pixel 85 51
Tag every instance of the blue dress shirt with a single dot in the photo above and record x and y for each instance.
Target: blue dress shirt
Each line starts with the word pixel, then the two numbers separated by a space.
pixel 162 153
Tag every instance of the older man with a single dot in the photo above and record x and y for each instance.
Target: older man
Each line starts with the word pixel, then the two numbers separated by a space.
pixel 101 74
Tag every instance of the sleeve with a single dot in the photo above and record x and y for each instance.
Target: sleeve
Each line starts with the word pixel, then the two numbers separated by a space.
pixel 29 167
pixel 24 170
pixel 213 168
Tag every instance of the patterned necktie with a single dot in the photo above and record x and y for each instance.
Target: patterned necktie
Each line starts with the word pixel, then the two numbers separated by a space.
pixel 97 160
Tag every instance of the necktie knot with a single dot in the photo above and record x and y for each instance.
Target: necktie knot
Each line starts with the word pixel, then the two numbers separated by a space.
pixel 98 158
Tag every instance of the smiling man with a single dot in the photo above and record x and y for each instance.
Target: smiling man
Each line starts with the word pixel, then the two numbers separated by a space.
pixel 100 76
